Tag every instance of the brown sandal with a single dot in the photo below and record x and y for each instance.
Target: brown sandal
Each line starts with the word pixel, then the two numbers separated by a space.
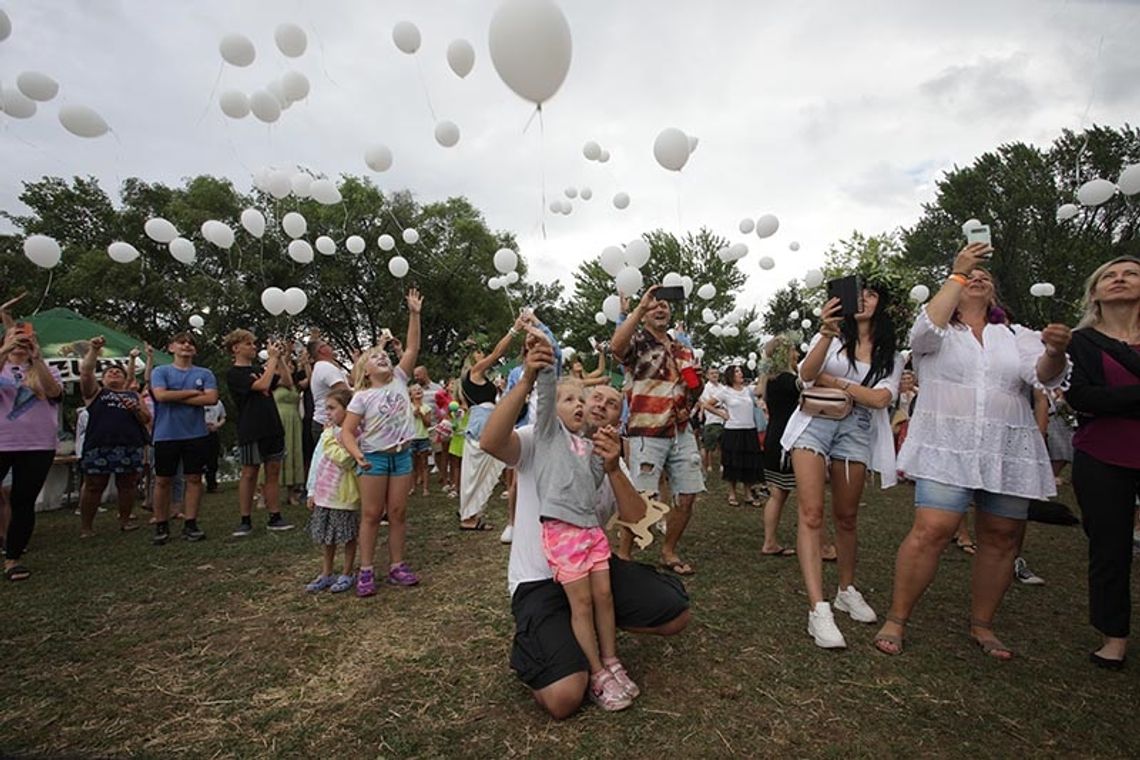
pixel 886 638
pixel 992 646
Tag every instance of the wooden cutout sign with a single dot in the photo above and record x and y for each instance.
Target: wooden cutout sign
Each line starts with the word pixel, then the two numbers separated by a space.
pixel 654 511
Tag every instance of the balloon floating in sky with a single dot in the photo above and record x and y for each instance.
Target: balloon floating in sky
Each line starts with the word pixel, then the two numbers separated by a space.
pixel 621 201
pixel 251 219
pixel 767 225
pixel 585 193
pixel 637 253
pixel 294 224
pixel 612 260
pixel 461 57
pixel 506 260
pixel 196 321
pixel 919 293
pixel 1042 290
pixel 273 299
pixel 611 307
pixel 234 104
pixel 218 233
pixel 592 151
pixel 295 85
pixel 767 262
pixel 1067 211
pixel 398 266
pixel 82 121
pixel 42 251
pixel 746 226
pixel 237 50
pixel 570 192
pixel 325 245
pixel 379 158
pixel 793 246
pixel 406 35
pixel 159 230
pixel 446 134
pixel 301 252
pixel 16 104
pixel 295 300
pixel 672 280
pixel 182 250
pixel 386 242
pixel 629 281
pixel 411 237
pixel 1129 181
pixel 813 278
pixel 37 86
pixel 530 47
pixel 600 318
pixel 707 291
pixel 671 149
pixel 5 25
pixel 1095 192
pixel 122 253
pixel 355 244
pixel 325 192
pixel 291 40
pixel 265 106
pixel 301 184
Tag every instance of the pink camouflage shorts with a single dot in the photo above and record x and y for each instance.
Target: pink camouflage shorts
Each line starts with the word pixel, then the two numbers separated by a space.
pixel 574 552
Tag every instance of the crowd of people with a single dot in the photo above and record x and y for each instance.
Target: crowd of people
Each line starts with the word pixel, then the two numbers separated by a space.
pixel 966 415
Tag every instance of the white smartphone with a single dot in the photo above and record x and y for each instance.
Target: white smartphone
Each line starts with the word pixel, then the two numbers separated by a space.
pixel 979 234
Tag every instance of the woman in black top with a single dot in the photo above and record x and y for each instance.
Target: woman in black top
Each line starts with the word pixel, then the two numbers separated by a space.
pixel 780 388
pixel 114 442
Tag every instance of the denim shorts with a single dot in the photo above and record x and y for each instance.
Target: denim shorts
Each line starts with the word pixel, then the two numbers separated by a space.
pixel 846 439
pixel 383 464
pixel 420 445
pixel 935 495
pixel 678 456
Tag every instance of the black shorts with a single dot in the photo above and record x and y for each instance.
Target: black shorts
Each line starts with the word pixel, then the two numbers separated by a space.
pixel 544 648
pixel 193 453
pixel 257 453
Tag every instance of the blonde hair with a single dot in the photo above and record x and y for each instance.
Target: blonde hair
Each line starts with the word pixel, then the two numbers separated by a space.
pixel 1090 308
pixel 359 378
pixel 233 338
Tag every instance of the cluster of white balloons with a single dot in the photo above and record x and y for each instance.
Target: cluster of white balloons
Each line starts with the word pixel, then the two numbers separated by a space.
pixel 460 54
pixel 731 253
pixel 1097 191
pixel 530 47
pixel 506 263
pixel 561 206
pixel 276 300
pixel 281 183
pixel 162 231
pixel 593 151
pixel 265 104
pixel 1042 290
pixel 672 148
pixel 624 265
pixel 34 87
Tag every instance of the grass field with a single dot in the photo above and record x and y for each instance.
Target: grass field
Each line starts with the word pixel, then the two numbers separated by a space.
pixel 116 648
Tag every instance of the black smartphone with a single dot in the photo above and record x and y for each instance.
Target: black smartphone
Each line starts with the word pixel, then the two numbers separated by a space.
pixel 849 291
pixel 670 293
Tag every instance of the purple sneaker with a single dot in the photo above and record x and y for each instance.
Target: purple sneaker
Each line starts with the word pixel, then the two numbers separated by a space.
pixel 365 584
pixel 402 575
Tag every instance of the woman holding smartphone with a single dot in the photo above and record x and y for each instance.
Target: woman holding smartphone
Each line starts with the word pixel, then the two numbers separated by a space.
pixel 853 352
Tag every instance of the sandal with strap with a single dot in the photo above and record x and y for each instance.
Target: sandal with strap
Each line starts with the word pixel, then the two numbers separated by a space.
pixel 991 646
pixel 968 547
pixel 889 639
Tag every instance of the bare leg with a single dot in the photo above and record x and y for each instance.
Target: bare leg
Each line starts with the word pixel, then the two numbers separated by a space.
pixel 373 495
pixel 162 486
pixel 675 522
pixel 397 517
pixel 126 485
pixel 772 509
pixel 89 498
pixel 562 698
pixel 998 541
pixel 582 620
pixel 193 495
pixel 604 620
pixel 246 487
pixel 328 554
pixel 349 556
pixel 272 488
pixel 847 479
pixel 810 477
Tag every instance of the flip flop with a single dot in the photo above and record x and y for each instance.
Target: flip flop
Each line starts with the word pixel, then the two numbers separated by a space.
pixel 17 573
pixel 783 551
pixel 480 524
pixel 732 502
pixel 969 547
pixel 678 567
pixel 886 638
pixel 991 646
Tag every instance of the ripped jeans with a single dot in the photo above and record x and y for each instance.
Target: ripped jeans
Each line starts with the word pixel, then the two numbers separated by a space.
pixel 678 456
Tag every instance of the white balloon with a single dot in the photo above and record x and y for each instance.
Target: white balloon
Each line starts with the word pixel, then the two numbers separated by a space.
pixel 16 104
pixel 295 85
pixel 530 47
pixel 767 262
pixel 585 193
pixel 600 318
pixel 1048 290
pixel 708 316
pixel 566 207
pixel 1042 290
pixel 446 133
pixel 234 104
pixel 693 143
pixel 122 253
pixel 767 225
pixel 398 266
pixel 687 284
pixel 355 244
pixel 263 355
pixel 611 307
pixel 411 237
pixel 671 149
pixel 159 230
pixel 969 224
pixel 182 250
pixel 301 185
pixel 806 324
pixel 301 252
pixel 1067 211
pixel 637 253
pixel 42 251
pixel 723 254
pixel 707 291
pixel 629 281
pixel 804 348
pixel 275 89
pixel 755 326
pixel 291 40
pixel 751 354
pixel 82 121
pixel 732 331
pixel 511 277
pixel 813 278
pixel 265 106
pixel 794 315
pixel 555 206
pixel 261 177
pixel 378 158
pixel 506 260
pixel 386 242
pixel 326 245
pixel 672 280
pixel 406 35
pixel 817 312
pixel 919 293
pixel 605 157
pixel 37 85
pixel 737 251
pixel 612 260
pixel 325 192
pixel 746 226
pixel 273 299
pixel 1129 180
pixel 621 201
pixel 1095 192
pixel 253 221
pixel 280 183
pixel 570 192
pixel 592 151
pixel 294 224
pixel 5 25
pixel 220 234
pixel 793 246
pixel 237 50
pixel 196 321
pixel 460 57
pixel 752 364
pixel 716 330
pixel 295 300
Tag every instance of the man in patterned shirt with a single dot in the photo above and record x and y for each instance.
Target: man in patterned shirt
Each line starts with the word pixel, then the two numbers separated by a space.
pixel 663 386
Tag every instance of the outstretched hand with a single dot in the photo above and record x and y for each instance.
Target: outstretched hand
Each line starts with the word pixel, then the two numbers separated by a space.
pixel 97 343
pixel 607 445
pixel 415 301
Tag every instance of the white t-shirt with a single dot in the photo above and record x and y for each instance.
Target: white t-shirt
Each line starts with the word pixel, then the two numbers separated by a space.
pixel 325 376
pixel 385 414
pixel 739 405
pixel 528 561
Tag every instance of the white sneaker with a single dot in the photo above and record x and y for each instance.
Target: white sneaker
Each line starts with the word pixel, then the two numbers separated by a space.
pixel 821 627
pixel 507 534
pixel 849 600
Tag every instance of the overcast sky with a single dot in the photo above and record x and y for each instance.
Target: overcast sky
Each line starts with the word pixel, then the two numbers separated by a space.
pixel 834 116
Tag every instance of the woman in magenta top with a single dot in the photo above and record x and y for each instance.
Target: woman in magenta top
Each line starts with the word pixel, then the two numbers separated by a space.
pixel 29 423
pixel 1105 391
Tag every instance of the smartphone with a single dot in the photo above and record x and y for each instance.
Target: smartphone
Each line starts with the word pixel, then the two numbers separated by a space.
pixel 670 293
pixel 849 291
pixel 25 329
pixel 979 234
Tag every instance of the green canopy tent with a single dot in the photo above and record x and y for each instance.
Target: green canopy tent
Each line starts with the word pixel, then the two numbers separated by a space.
pixel 59 330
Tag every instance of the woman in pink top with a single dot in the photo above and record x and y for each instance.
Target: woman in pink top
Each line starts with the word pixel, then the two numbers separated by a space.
pixel 29 401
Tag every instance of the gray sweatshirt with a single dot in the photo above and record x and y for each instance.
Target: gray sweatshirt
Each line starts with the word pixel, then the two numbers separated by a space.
pixel 567 473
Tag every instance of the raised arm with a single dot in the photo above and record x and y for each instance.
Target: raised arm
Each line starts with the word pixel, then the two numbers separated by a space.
pixel 88 385
pixel 412 345
pixel 623 335
pixel 480 367
pixel 828 331
pixel 941 307
pixel 499 438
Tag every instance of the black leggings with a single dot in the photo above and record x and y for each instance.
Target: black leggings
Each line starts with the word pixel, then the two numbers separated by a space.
pixel 29 471
pixel 1107 496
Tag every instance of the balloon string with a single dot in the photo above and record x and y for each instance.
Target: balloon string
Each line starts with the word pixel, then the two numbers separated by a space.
pixel 542 165
pixel 213 92
pixel 321 47
pixel 51 273
pixel 423 84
